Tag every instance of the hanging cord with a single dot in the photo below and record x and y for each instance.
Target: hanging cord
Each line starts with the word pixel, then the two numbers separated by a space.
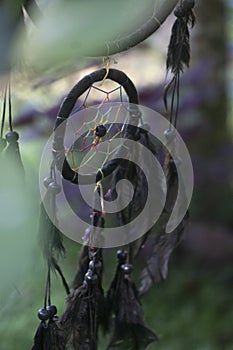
pixel 47 298
pixel 7 97
pixel 10 106
pixel 106 63
pixel 3 111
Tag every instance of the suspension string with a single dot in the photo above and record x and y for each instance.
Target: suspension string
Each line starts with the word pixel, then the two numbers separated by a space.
pixel 10 106
pixel 177 99
pixel 3 111
pixel 86 97
pixel 47 297
pixel 106 62
pixel 49 284
pixel 174 92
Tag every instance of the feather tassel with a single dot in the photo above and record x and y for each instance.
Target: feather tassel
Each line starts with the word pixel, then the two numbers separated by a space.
pixel 84 310
pixel 49 336
pixel 159 245
pixel 12 152
pixel 130 332
pixel 49 235
pixel 178 54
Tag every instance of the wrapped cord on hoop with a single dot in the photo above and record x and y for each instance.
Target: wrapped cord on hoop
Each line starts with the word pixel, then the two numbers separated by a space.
pixel 66 108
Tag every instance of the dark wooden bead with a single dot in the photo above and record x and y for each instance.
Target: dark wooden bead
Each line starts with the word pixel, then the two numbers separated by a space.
pixel 95 266
pixel 127 268
pixel 52 310
pixel 100 131
pixel 12 136
pixel 122 256
pixel 169 134
pixel 54 188
pixel 47 181
pixel 90 278
pixel 44 314
pixel 179 12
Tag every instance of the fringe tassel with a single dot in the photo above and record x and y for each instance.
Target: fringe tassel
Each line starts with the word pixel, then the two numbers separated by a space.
pixel 85 309
pixel 49 336
pixel 49 235
pixel 12 152
pixel 160 245
pixel 130 332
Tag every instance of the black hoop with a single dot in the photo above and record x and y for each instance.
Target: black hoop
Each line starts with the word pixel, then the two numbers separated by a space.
pixel 65 110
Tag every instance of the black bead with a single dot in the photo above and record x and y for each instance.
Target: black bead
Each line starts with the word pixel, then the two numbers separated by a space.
pixel 134 112
pixel 100 131
pixel 47 181
pixel 122 255
pixel 127 268
pixel 2 143
pixel 95 266
pixel 43 314
pixel 90 278
pixel 179 12
pixel 54 187
pixel 52 310
pixel 169 134
pixel 12 136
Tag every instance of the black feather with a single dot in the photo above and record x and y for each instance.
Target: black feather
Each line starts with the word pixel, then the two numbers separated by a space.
pixel 49 235
pixel 57 269
pixel 159 245
pixel 178 54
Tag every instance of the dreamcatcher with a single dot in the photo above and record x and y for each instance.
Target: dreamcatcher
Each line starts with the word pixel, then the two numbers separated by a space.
pixel 89 308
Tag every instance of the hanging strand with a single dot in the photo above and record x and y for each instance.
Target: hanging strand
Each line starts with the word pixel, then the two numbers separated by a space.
pixel 3 111
pixel 2 139
pixel 10 106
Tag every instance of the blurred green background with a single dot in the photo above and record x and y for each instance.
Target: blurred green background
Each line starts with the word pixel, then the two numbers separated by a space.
pixel 193 308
